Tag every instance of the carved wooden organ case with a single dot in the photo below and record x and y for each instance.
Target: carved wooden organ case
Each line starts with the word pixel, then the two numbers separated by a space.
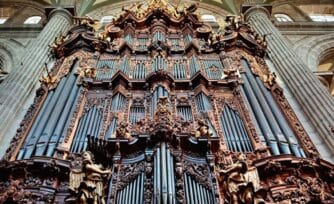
pixel 167 106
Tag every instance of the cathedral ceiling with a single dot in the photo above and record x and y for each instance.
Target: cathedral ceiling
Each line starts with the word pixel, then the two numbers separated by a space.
pixel 231 6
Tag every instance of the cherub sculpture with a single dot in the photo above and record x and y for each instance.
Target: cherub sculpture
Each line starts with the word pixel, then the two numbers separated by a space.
pixel 203 130
pixel 122 131
pixel 89 72
pixel 88 182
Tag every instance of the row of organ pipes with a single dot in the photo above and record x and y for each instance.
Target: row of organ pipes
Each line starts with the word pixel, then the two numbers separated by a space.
pixel 47 132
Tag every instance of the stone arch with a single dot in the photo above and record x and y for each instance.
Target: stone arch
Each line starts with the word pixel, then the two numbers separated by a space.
pixel 313 50
pixel 292 11
pixel 9 52
pixel 24 9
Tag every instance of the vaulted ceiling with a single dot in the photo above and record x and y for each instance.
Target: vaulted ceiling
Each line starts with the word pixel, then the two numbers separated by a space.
pixel 231 6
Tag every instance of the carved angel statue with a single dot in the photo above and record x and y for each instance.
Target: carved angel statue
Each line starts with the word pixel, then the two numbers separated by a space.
pixel 122 131
pixel 88 182
pixel 203 130
pixel 241 183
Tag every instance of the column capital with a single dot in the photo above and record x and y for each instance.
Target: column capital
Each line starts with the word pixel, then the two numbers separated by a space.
pixel 249 10
pixel 67 11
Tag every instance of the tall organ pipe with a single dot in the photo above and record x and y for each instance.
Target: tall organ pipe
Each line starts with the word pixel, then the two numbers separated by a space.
pixel 251 111
pixel 267 110
pixel 34 126
pixel 63 121
pixel 59 110
pixel 262 121
pixel 34 137
pixel 280 118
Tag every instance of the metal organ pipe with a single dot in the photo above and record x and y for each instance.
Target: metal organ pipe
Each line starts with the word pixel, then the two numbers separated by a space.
pixel 158 92
pixel 237 129
pixel 164 189
pixel 45 117
pixel 196 193
pixel 82 136
pixel 132 192
pixel 40 134
pixel 61 125
pixel 251 111
pixel 265 128
pixel 65 129
pixel 33 128
pixel 164 173
pixel 88 126
pixel 194 65
pixel 267 110
pixel 280 118
pixel 229 133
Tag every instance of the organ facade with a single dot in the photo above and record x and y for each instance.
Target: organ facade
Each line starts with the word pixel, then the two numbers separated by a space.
pixel 158 108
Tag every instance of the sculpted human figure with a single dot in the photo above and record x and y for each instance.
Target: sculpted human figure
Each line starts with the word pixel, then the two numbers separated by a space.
pixel 237 187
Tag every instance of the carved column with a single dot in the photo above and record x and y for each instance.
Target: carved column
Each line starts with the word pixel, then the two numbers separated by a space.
pixel 19 85
pixel 314 99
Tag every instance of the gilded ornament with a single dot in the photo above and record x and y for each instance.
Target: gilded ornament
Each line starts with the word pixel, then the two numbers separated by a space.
pixel 203 130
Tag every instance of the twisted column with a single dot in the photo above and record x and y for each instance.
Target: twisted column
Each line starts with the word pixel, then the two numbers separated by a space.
pixel 314 99
pixel 19 85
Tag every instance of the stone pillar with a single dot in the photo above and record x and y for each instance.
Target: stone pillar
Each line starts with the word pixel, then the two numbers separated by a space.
pixel 19 85
pixel 314 99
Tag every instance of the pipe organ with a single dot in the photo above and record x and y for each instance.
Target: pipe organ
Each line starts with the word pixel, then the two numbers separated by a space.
pixel 162 110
